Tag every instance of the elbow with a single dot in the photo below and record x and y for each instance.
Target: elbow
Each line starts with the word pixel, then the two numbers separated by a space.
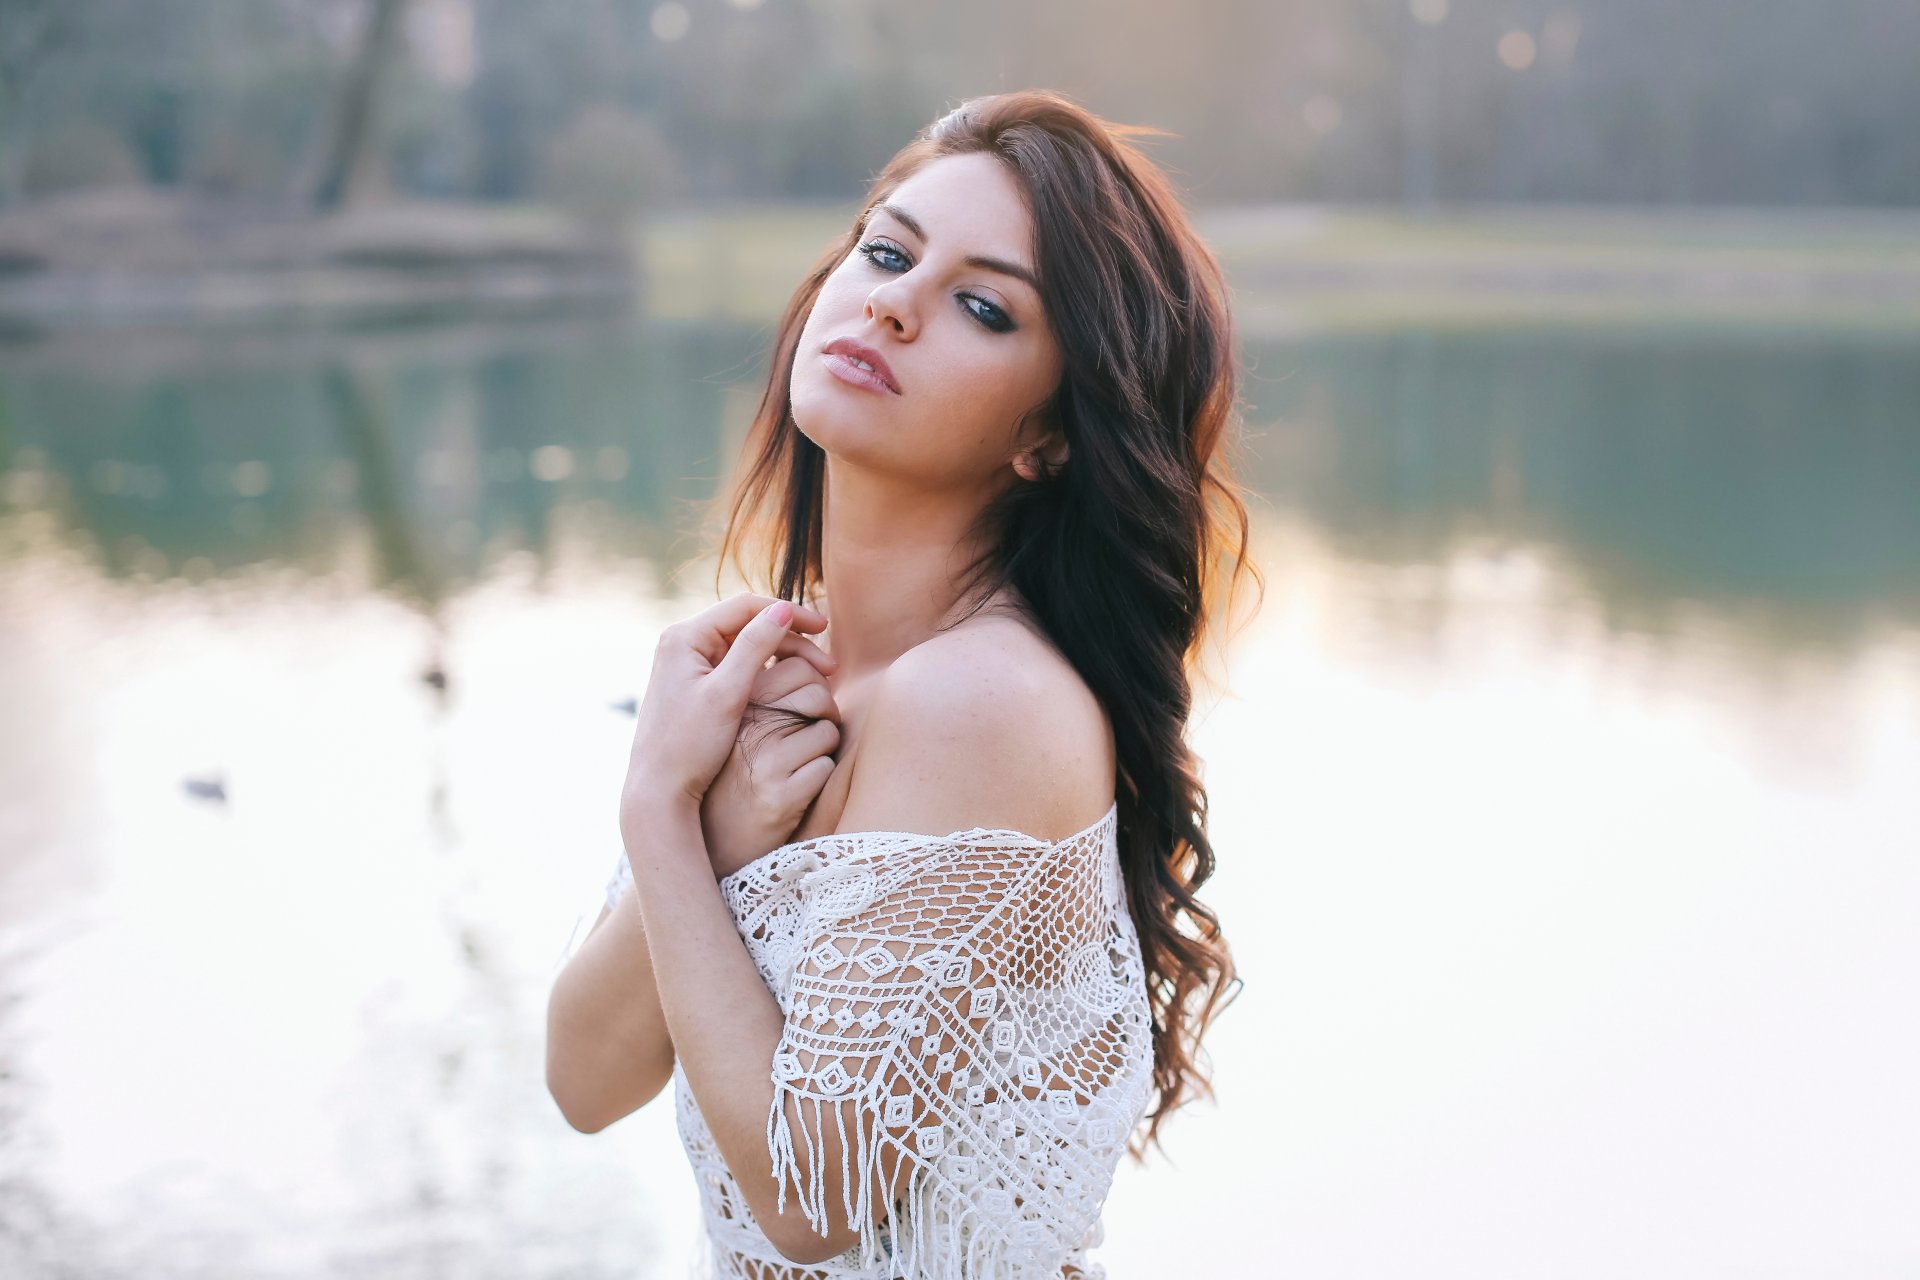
pixel 795 1238
pixel 567 1088
pixel 589 1095
pixel 580 1124
pixel 790 1232
pixel 576 1110
pixel 589 1105
pixel 798 1243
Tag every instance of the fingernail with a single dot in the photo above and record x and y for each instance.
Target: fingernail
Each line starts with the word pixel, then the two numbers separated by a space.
pixel 783 613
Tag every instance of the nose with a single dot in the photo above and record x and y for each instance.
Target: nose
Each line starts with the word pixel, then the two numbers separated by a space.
pixel 890 304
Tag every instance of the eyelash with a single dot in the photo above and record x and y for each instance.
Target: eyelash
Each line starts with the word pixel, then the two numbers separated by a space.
pixel 994 319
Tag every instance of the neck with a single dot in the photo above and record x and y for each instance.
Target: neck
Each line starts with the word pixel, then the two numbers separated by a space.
pixel 892 558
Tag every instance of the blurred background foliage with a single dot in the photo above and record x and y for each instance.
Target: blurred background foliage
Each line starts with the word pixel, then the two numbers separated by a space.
pixel 627 103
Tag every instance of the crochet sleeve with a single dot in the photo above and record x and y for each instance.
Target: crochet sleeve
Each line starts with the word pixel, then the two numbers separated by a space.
pixel 918 1028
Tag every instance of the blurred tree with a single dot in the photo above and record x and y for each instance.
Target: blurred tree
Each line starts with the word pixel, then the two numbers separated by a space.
pixel 80 153
pixel 609 164
pixel 355 107
pixel 1713 101
pixel 32 32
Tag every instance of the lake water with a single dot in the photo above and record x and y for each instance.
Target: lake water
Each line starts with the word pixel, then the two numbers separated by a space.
pixel 1566 788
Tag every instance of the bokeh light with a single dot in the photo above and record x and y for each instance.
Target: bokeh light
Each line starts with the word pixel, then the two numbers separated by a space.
pixel 670 21
pixel 1322 114
pixel 1517 50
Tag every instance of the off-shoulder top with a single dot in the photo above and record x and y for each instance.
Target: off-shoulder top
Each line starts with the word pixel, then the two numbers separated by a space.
pixel 975 1003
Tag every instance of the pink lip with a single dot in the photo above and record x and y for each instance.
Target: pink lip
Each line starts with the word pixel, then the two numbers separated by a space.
pixel 840 356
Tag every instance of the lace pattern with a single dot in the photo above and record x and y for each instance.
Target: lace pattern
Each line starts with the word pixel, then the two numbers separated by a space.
pixel 968 1010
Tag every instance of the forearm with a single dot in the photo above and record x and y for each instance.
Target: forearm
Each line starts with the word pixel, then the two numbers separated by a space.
pixel 724 1022
pixel 608 1049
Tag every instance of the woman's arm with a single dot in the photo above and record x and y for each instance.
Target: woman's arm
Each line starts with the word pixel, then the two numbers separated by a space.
pixel 936 742
pixel 608 1050
pixel 724 1023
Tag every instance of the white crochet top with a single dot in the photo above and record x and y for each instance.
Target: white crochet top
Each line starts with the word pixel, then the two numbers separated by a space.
pixel 977 1003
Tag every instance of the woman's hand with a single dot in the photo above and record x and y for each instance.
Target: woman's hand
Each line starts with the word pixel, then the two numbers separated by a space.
pixel 781 759
pixel 703 671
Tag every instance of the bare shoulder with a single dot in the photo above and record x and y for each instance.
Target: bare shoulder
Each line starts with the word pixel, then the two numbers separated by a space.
pixel 985 725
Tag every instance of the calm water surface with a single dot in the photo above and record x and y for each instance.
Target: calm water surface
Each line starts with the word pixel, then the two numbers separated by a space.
pixel 1567 791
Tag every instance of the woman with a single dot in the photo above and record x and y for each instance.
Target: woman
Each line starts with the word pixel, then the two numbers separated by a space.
pixel 989 450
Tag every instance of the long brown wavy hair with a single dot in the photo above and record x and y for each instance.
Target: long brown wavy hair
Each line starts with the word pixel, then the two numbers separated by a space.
pixel 1121 553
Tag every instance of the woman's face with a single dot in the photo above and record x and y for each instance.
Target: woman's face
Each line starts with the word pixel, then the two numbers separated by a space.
pixel 938 294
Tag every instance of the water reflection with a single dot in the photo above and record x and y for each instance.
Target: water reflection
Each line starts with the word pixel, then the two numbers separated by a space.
pixel 448 458
pixel 1767 476
pixel 1572 757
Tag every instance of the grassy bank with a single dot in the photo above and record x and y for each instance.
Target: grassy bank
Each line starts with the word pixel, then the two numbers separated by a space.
pixel 1319 267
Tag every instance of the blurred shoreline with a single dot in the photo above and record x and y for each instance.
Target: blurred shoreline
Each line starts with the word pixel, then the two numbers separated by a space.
pixel 132 256
pixel 133 259
pixel 1301 268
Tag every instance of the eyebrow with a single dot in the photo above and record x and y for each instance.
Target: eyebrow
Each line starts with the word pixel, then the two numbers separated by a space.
pixel 985 263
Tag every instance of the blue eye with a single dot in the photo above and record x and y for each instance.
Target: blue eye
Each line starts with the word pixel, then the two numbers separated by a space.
pixel 990 316
pixel 873 247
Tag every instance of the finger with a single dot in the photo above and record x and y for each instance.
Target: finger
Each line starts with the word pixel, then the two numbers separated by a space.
pixel 811 778
pixel 714 630
pixel 821 738
pixel 733 676
pixel 773 683
pixel 784 677
pixel 802 647
pixel 787 753
pixel 814 702
pixel 808 702
pixel 726 618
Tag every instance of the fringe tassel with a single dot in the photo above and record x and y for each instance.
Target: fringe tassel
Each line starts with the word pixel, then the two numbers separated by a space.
pixel 859 1162
pixel 977 1248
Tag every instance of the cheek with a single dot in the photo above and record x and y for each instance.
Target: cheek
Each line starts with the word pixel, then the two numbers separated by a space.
pixel 842 298
pixel 831 312
pixel 1022 384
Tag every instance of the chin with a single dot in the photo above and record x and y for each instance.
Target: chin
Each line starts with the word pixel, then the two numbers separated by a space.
pixel 825 411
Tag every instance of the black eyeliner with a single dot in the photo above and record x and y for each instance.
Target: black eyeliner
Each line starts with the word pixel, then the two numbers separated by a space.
pixel 1005 324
